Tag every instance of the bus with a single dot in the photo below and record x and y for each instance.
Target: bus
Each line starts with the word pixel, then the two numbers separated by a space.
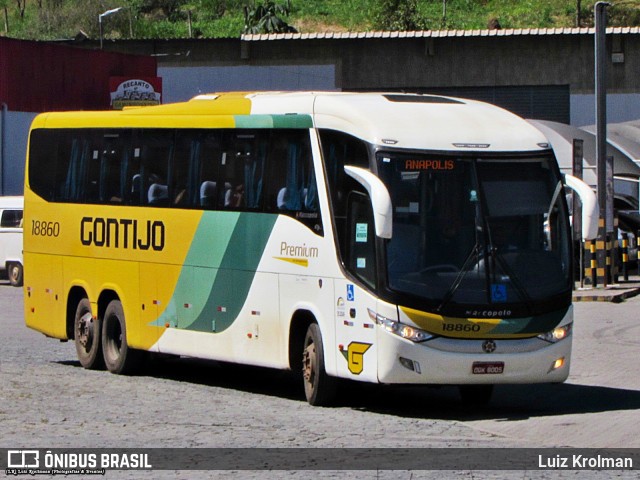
pixel 388 238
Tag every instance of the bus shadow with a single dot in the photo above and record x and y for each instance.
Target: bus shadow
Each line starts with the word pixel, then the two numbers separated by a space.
pixel 211 373
pixel 509 402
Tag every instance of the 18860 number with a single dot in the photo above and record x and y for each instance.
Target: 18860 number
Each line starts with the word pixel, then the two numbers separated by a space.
pixel 43 228
pixel 460 327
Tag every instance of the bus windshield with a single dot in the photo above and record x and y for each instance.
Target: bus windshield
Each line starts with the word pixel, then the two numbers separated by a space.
pixel 476 231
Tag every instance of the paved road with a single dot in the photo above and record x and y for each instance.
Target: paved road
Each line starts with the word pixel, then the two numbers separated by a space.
pixel 47 400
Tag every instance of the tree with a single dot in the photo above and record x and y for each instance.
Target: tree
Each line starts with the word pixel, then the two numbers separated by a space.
pixel 3 5
pixel 265 18
pixel 171 9
pixel 22 4
pixel 397 15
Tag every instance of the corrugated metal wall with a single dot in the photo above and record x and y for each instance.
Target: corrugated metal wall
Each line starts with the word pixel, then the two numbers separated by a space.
pixel 38 76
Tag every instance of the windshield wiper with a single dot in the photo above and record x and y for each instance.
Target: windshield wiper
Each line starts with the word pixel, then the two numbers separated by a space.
pixel 515 281
pixel 473 254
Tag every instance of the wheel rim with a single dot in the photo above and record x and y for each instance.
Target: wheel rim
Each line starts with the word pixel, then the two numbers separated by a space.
pixel 85 333
pixel 309 363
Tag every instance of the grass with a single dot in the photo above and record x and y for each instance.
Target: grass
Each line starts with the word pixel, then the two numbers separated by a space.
pixel 65 18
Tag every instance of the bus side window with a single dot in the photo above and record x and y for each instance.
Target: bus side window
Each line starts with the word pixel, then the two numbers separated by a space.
pixel 49 164
pixel 157 152
pixel 239 155
pixel 243 170
pixel 205 156
pixel 83 172
pixel 93 168
pixel 180 180
pixel 134 183
pixel 338 150
pixel 112 162
pixel 254 172
pixel 293 189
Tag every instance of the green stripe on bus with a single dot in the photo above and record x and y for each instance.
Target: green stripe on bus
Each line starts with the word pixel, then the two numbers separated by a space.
pixel 219 269
pixel 273 121
pixel 538 324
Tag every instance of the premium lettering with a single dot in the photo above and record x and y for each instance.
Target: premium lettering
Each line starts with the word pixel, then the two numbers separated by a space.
pixel 122 233
pixel 298 250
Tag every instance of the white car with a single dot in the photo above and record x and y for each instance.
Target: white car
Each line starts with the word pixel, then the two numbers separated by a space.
pixel 11 264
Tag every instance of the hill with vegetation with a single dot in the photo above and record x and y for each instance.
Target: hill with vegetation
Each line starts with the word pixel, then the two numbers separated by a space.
pixel 63 19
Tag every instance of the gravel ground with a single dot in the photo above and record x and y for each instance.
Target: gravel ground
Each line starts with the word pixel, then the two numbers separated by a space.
pixel 48 401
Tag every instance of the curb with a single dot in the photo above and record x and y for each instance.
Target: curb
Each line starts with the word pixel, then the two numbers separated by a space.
pixel 614 295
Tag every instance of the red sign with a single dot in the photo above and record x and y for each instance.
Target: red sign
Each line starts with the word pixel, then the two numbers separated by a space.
pixel 135 92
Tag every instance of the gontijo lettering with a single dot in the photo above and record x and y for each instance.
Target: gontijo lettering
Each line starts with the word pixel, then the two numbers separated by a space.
pixel 122 233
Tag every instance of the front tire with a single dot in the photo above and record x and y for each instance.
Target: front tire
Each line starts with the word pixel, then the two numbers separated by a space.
pixel 118 356
pixel 86 334
pixel 319 388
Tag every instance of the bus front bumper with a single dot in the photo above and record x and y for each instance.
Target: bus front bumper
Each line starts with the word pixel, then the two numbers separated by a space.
pixel 443 361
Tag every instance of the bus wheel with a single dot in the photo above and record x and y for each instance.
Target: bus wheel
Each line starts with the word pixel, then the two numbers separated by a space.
pixel 319 388
pixel 15 274
pixel 86 332
pixel 476 395
pixel 118 356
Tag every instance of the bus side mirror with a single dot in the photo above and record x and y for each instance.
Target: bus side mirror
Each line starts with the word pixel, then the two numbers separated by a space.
pixel 590 209
pixel 380 199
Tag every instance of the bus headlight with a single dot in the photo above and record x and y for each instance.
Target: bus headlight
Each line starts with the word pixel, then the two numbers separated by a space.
pixel 400 329
pixel 557 334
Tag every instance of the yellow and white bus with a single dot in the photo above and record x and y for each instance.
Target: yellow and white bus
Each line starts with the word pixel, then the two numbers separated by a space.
pixel 386 238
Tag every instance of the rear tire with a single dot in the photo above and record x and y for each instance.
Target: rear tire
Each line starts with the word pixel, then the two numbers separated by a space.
pixel 118 356
pixel 476 395
pixel 86 334
pixel 15 274
pixel 319 388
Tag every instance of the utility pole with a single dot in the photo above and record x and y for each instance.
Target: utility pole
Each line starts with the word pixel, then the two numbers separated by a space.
pixel 600 13
pixel 106 14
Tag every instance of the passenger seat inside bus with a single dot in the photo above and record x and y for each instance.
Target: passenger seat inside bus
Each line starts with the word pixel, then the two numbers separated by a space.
pixel 208 194
pixel 285 202
pixel 158 194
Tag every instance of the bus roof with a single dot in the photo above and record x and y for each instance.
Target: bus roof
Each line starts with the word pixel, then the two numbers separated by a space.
pixel 398 120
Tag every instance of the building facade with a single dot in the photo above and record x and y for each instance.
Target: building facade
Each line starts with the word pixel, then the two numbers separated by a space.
pixel 538 73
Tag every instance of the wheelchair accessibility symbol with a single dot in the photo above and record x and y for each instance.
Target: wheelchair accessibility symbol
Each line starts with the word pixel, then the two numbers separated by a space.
pixel 351 296
pixel 498 293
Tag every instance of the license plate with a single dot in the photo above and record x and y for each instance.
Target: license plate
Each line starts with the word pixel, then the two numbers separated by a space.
pixel 487 368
